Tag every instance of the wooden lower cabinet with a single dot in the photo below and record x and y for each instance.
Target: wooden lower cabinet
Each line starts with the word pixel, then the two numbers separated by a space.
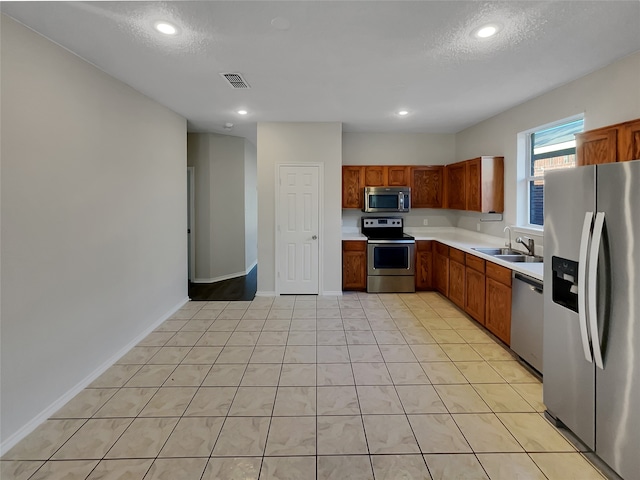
pixel 424 265
pixel 441 268
pixel 354 265
pixel 456 277
pixel 474 300
pixel 498 302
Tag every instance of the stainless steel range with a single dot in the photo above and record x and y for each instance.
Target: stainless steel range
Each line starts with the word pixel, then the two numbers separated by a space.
pixel 390 255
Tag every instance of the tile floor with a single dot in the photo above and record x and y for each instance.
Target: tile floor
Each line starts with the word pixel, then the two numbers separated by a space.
pixel 355 387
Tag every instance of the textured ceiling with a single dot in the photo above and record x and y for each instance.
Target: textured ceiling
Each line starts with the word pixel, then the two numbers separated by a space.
pixel 356 62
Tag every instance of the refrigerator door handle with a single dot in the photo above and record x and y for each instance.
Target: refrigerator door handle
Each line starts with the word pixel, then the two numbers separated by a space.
pixel 592 280
pixel 582 284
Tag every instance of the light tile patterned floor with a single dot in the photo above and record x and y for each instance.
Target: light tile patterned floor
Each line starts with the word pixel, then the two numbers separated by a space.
pixel 361 386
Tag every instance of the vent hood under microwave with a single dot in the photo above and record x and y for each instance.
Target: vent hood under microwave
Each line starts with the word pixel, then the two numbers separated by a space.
pixel 387 199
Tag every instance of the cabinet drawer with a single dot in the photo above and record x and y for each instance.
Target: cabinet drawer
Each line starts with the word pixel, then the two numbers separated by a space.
pixel 442 249
pixel 456 255
pixel 498 273
pixel 354 245
pixel 424 245
pixel 474 262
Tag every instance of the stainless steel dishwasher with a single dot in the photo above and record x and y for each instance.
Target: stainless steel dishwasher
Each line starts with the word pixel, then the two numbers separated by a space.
pixel 527 310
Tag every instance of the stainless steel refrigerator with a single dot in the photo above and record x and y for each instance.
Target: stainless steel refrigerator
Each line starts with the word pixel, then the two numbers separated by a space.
pixel 592 309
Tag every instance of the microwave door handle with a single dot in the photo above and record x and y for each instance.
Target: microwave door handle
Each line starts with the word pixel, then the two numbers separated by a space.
pixel 400 201
pixel 592 283
pixel 582 285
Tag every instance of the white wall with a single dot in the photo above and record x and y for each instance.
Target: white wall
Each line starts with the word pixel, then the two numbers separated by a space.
pixel 198 157
pixel 300 143
pixel 400 149
pixel 93 205
pixel 397 148
pixel 225 210
pixel 250 204
pixel 608 96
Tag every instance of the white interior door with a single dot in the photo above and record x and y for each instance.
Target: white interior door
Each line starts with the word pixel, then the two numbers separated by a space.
pixel 298 225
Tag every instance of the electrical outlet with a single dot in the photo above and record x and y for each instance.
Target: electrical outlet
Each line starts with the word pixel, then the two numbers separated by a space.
pixel 477 226
pixel 425 222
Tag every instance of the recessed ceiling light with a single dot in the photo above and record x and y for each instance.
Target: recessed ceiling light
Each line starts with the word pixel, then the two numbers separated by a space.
pixel 166 28
pixel 486 31
pixel 242 112
pixel 402 113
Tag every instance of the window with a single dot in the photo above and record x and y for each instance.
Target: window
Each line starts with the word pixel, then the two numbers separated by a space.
pixel 549 149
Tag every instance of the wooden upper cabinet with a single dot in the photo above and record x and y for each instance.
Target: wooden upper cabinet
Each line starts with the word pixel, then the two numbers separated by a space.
pixel 456 175
pixel 352 186
pixel 485 184
pixel 476 184
pixel 630 141
pixel 597 146
pixel 614 143
pixel 375 176
pixel 427 185
pixel 398 176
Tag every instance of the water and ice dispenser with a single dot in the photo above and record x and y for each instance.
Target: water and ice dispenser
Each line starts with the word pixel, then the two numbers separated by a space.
pixel 564 284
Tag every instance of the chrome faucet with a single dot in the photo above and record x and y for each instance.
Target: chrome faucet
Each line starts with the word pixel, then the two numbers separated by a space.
pixel 529 244
pixel 505 229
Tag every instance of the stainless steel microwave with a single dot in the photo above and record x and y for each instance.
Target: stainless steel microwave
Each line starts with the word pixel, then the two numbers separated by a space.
pixel 387 199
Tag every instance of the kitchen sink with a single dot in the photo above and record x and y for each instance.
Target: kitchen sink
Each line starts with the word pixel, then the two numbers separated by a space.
pixel 510 255
pixel 498 251
pixel 521 258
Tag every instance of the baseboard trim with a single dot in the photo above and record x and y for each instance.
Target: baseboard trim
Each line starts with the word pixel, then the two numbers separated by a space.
pixel 251 267
pixel 32 424
pixel 225 277
pixel 332 294
pixel 265 294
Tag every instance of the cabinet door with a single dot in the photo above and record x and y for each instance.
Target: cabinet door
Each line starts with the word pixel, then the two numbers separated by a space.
pixel 474 195
pixel 354 265
pixel 597 146
pixel 485 184
pixel 352 187
pixel 629 141
pixel 424 265
pixel 498 309
pixel 456 185
pixel 456 283
pixel 375 176
pixel 474 303
pixel 398 176
pixel 427 187
pixel 441 273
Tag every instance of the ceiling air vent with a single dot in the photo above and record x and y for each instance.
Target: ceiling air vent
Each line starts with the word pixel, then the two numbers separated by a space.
pixel 235 80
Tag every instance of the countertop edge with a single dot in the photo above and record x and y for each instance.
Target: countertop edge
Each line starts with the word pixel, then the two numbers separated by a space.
pixel 456 239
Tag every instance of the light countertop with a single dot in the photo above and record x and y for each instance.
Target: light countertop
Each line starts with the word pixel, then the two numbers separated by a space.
pixel 464 240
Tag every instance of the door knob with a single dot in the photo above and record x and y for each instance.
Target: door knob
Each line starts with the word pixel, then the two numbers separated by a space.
pixel 315 237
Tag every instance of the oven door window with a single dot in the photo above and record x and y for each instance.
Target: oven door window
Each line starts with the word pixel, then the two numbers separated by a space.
pixel 383 201
pixel 391 257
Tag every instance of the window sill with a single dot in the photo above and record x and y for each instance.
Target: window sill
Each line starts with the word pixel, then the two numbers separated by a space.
pixel 539 231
